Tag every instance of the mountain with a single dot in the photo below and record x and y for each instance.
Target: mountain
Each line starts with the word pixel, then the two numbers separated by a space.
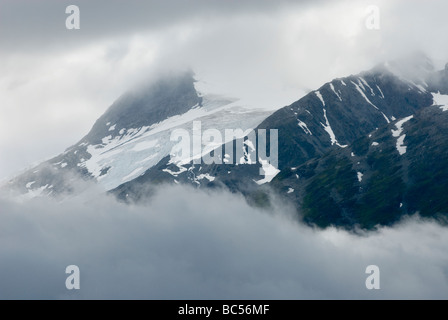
pixel 133 135
pixel 397 170
pixel 360 151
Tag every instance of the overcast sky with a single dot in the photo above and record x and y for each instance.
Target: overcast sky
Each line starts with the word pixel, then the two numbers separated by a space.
pixel 54 82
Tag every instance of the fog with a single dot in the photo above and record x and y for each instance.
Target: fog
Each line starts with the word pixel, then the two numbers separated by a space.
pixel 190 244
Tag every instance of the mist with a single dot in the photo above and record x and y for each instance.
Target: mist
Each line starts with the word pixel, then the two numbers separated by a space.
pixel 191 244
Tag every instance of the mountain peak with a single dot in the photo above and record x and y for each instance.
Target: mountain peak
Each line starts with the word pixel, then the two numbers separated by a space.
pixel 414 66
pixel 170 94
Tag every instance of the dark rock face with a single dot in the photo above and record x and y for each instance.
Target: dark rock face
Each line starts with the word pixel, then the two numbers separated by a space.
pixel 338 159
pixel 352 110
pixel 370 182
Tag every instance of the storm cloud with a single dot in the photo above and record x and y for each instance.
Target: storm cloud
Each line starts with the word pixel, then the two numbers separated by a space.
pixel 190 244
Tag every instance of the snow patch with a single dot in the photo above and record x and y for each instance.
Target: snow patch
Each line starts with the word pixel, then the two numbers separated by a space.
pixel 34 193
pixel 365 83
pixel 175 174
pixel 382 95
pixel 364 96
pixel 400 146
pixel 418 86
pixel 269 172
pixel 359 175
pixel 330 132
pixel 320 97
pixel 304 127
pixel 387 119
pixel 440 100
pixel 361 85
pixel 399 126
pixel 207 176
pixel 290 190
pixel 332 88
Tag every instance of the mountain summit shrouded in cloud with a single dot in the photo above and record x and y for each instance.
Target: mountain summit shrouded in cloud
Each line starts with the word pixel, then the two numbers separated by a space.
pixel 349 153
pixel 134 134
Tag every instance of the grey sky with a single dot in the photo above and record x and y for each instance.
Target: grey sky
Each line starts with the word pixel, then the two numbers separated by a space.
pixel 54 83
pixel 41 23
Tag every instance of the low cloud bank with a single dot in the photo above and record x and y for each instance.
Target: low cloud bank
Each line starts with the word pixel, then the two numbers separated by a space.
pixel 189 244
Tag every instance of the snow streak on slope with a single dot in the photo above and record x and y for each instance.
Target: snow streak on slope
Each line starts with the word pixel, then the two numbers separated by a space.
pixel 360 88
pixel 385 117
pixel 330 132
pixel 364 96
pixel 379 89
pixel 304 127
pixel 399 126
pixel 367 85
pixel 332 88
pixel 320 97
pixel 397 133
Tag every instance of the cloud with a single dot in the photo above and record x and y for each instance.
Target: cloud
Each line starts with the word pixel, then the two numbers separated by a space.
pixel 54 82
pixel 189 244
pixel 43 24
